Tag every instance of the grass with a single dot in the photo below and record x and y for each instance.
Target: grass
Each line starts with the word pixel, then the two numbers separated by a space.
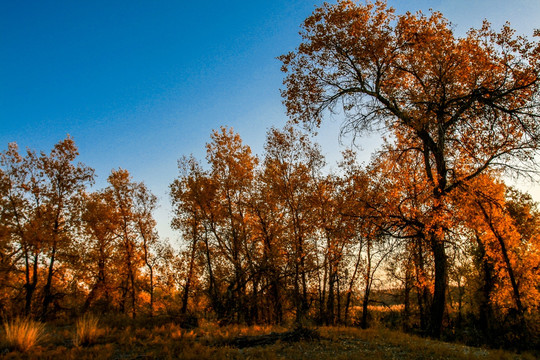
pixel 209 341
pixel 22 334
pixel 87 330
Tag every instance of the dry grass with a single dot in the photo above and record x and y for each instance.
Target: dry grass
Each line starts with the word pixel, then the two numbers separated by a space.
pixel 209 341
pixel 23 334
pixel 87 330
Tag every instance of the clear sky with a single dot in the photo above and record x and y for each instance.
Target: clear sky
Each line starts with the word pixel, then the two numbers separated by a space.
pixel 138 84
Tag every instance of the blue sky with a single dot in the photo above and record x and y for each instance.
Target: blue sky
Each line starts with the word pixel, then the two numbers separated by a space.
pixel 138 84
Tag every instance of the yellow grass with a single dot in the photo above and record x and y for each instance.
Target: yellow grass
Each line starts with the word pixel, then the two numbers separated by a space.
pixel 87 331
pixel 22 334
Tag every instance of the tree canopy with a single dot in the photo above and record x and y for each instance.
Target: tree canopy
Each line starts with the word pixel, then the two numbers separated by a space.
pixel 463 105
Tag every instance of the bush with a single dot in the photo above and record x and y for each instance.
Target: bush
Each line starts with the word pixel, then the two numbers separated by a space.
pixel 87 331
pixel 22 334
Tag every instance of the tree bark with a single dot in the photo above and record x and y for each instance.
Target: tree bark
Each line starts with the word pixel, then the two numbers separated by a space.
pixel 439 294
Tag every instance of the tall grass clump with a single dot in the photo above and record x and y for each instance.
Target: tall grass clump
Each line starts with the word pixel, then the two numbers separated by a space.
pixel 23 334
pixel 87 330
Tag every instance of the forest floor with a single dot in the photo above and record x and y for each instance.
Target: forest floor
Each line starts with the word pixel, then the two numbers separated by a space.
pixel 257 342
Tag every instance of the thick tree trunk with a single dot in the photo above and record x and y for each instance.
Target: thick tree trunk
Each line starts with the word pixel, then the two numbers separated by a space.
pixel 330 318
pixel 31 281
pixel 439 294
pixel 484 293
pixel 99 287
pixel 422 291
pixel 277 306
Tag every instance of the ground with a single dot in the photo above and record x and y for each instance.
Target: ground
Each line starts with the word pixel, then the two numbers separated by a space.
pixel 208 341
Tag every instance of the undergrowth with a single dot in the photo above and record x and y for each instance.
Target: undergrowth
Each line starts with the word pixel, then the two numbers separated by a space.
pixel 211 341
pixel 87 330
pixel 22 334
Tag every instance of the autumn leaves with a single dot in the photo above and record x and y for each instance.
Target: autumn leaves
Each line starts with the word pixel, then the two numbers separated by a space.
pixel 457 107
pixel 65 247
pixel 275 238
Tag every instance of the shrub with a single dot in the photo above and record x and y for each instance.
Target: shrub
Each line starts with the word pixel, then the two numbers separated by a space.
pixel 22 333
pixel 87 331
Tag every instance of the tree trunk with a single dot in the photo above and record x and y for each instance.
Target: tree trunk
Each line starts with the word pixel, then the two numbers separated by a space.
pixel 30 284
pixel 484 294
pixel 439 294
pixel 351 284
pixel 407 299
pixel 329 318
pixel 278 307
pixel 47 290
pixel 185 295
pixel 367 289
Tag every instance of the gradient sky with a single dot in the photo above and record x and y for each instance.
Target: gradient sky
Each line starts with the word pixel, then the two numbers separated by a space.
pixel 138 84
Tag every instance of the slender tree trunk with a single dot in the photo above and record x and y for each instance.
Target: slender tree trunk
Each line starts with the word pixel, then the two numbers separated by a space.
pixel 130 279
pixel 351 284
pixel 407 300
pixel 275 310
pixel 304 302
pixel 151 279
pixel 149 266
pixel 214 299
pixel 322 290
pixel 367 289
pixel 185 295
pixel 133 293
pixel 509 267
pixel 124 287
pixel 151 291
pixel 47 290
pixel 338 298
pixel 421 291
pixel 297 300
pixel 254 308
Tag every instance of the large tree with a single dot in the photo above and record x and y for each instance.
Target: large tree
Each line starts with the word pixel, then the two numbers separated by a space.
pixel 464 104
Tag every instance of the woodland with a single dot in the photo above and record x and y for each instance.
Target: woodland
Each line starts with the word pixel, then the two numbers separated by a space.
pixel 427 238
